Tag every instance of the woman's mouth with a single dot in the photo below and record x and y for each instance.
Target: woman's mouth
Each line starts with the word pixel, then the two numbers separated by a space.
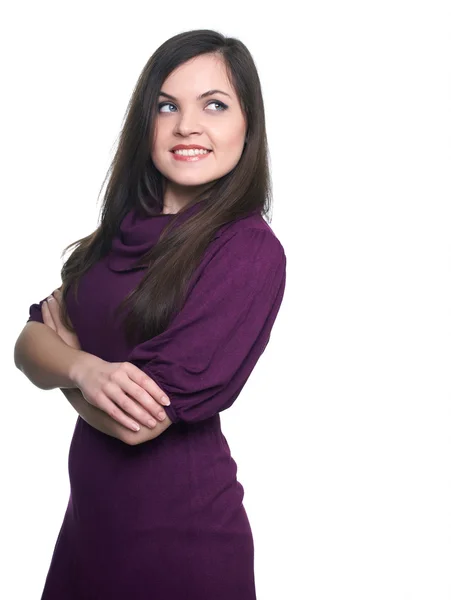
pixel 190 155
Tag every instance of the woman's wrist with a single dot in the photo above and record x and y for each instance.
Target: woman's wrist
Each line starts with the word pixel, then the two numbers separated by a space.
pixel 79 365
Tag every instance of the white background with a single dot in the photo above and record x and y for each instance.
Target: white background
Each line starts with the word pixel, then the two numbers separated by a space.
pixel 342 434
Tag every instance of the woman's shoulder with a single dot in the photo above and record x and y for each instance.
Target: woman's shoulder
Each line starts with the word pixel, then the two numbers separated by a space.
pixel 247 226
pixel 247 240
pixel 248 247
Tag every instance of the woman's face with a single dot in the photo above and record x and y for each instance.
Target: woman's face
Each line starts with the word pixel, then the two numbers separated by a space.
pixel 215 122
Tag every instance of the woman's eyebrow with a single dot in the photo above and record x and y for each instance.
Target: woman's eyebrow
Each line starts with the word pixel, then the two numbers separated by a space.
pixel 204 95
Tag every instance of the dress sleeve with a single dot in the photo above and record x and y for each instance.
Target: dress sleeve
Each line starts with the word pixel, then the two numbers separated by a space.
pixel 35 312
pixel 207 353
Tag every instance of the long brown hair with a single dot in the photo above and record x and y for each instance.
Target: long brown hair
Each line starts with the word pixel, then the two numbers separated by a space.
pixel 136 183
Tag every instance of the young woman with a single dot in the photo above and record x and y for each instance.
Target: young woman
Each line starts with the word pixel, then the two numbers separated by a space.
pixel 173 296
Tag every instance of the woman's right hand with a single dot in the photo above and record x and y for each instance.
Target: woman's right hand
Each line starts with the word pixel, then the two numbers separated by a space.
pixel 120 389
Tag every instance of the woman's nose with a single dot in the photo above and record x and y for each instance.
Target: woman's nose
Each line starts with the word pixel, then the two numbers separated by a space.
pixel 188 122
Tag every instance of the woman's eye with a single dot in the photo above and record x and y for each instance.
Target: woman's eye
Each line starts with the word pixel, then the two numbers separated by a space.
pixel 160 106
pixel 221 105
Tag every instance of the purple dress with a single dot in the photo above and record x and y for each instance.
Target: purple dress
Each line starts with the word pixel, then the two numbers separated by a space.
pixel 164 520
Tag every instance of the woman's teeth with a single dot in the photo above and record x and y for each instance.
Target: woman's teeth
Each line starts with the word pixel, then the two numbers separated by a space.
pixel 191 152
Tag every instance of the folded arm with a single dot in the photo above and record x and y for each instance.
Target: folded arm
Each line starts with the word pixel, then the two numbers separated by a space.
pixel 48 363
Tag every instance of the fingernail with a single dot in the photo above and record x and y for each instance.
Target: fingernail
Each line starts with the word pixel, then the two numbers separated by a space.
pixel 162 416
pixel 165 400
pixel 50 298
pixel 136 427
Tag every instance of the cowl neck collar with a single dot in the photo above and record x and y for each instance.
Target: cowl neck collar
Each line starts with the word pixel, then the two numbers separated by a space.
pixel 137 234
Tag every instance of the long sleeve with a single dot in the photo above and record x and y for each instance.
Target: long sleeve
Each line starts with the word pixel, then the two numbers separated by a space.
pixel 205 356
pixel 35 311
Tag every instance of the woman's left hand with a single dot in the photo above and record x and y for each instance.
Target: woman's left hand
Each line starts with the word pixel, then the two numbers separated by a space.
pixel 52 317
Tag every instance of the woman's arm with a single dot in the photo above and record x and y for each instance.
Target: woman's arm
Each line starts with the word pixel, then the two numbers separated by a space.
pixel 45 358
pixel 104 423
pixel 51 356
pixel 49 363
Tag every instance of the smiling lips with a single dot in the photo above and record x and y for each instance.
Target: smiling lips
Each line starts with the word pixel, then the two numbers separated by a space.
pixel 188 147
